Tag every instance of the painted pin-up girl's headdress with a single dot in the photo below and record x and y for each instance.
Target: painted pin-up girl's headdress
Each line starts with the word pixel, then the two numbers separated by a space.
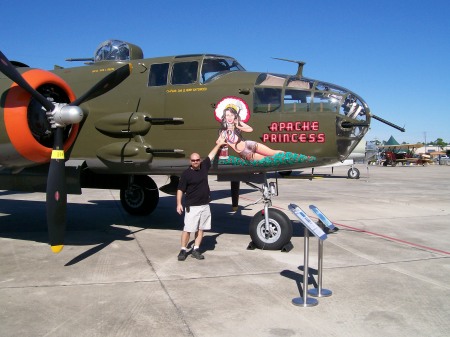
pixel 237 104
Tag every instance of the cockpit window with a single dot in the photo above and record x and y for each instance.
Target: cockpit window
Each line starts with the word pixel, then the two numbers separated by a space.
pixel 297 95
pixel 213 67
pixel 297 100
pixel 112 50
pixel 267 100
pixel 158 74
pixel 184 72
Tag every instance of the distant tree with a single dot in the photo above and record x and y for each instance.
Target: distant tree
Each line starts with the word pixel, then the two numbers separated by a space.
pixel 440 142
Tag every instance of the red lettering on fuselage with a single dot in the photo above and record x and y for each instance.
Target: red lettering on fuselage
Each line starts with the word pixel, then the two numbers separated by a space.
pixel 294 132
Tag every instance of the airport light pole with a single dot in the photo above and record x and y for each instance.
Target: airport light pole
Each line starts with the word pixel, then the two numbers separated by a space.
pixel 425 136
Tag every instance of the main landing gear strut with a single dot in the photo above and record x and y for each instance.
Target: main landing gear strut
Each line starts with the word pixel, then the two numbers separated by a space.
pixel 270 228
pixel 141 196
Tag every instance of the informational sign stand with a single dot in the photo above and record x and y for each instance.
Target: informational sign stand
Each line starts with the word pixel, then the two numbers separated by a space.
pixel 319 291
pixel 310 226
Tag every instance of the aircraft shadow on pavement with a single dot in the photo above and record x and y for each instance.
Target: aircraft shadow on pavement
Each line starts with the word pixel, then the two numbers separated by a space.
pixel 11 192
pixel 100 222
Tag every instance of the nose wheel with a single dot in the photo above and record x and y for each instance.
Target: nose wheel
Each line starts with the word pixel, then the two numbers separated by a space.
pixel 276 235
pixel 270 228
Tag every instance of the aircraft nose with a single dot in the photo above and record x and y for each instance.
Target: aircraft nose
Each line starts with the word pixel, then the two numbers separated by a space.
pixel 329 104
pixel 352 124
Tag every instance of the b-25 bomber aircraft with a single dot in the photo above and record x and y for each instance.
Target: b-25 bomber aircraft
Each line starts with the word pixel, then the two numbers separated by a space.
pixel 120 118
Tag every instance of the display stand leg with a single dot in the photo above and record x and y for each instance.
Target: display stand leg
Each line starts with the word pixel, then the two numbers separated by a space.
pixel 305 301
pixel 319 291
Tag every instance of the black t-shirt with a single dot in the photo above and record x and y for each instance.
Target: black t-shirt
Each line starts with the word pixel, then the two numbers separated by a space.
pixel 194 183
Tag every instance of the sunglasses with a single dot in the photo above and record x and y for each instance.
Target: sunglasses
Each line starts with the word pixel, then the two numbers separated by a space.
pixel 195 160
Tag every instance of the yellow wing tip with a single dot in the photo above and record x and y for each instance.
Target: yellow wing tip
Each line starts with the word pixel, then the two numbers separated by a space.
pixel 57 249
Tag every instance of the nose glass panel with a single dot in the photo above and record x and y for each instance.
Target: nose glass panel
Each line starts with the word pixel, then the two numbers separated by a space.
pixel 276 93
pixel 352 115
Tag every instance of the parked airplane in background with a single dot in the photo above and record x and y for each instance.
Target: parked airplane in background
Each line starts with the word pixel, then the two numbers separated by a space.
pixel 122 117
pixel 358 154
pixel 362 152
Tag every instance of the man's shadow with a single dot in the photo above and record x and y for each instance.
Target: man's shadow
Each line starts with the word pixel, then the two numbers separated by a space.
pixel 209 242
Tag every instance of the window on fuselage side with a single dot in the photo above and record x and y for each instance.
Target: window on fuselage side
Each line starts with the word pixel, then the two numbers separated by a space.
pixel 158 74
pixel 184 72
pixel 297 100
pixel 267 100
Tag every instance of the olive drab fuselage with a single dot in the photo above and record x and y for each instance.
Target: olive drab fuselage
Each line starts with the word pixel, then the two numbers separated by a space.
pixel 170 107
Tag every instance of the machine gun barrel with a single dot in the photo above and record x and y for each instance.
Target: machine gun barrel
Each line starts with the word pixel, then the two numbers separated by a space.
pixel 388 123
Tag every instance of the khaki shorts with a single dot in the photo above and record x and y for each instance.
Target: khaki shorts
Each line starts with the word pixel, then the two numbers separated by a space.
pixel 198 217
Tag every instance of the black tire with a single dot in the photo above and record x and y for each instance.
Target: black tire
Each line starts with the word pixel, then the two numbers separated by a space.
pixel 279 222
pixel 353 173
pixel 141 198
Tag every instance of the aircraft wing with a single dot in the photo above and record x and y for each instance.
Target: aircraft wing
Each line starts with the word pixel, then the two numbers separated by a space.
pixel 401 147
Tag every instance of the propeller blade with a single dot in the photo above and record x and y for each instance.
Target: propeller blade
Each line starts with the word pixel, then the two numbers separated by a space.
pixel 11 72
pixel 57 194
pixel 388 123
pixel 56 181
pixel 56 199
pixel 105 85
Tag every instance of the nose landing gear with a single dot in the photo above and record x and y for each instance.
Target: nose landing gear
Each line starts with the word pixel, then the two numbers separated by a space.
pixel 270 228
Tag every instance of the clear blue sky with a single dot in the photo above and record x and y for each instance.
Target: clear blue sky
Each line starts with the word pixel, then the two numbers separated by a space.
pixel 394 54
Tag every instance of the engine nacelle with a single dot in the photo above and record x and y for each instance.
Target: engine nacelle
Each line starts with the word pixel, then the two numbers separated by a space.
pixel 29 135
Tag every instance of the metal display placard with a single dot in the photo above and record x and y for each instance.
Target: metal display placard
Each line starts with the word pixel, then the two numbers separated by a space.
pixel 306 301
pixel 322 217
pixel 312 227
pixel 307 222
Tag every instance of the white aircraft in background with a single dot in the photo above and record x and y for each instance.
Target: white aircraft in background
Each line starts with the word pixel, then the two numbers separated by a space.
pixel 362 152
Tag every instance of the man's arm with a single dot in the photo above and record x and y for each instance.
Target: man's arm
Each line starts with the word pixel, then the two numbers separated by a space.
pixel 179 204
pixel 219 143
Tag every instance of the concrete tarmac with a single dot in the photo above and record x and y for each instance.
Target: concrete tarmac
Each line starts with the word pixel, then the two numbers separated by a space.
pixel 388 266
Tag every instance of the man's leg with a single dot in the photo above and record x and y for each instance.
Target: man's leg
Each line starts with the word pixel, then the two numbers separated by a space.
pixel 184 242
pixel 204 224
pixel 185 236
pixel 198 238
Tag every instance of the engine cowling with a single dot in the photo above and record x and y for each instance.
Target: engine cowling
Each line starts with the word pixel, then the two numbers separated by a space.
pixel 26 123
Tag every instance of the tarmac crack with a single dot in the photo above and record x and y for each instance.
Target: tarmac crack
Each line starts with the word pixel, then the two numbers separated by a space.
pixel 177 308
pixel 161 283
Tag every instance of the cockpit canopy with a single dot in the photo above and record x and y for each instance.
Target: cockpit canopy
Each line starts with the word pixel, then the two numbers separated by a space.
pixel 214 66
pixel 116 50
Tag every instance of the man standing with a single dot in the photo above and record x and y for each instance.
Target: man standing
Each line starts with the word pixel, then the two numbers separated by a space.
pixel 194 184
